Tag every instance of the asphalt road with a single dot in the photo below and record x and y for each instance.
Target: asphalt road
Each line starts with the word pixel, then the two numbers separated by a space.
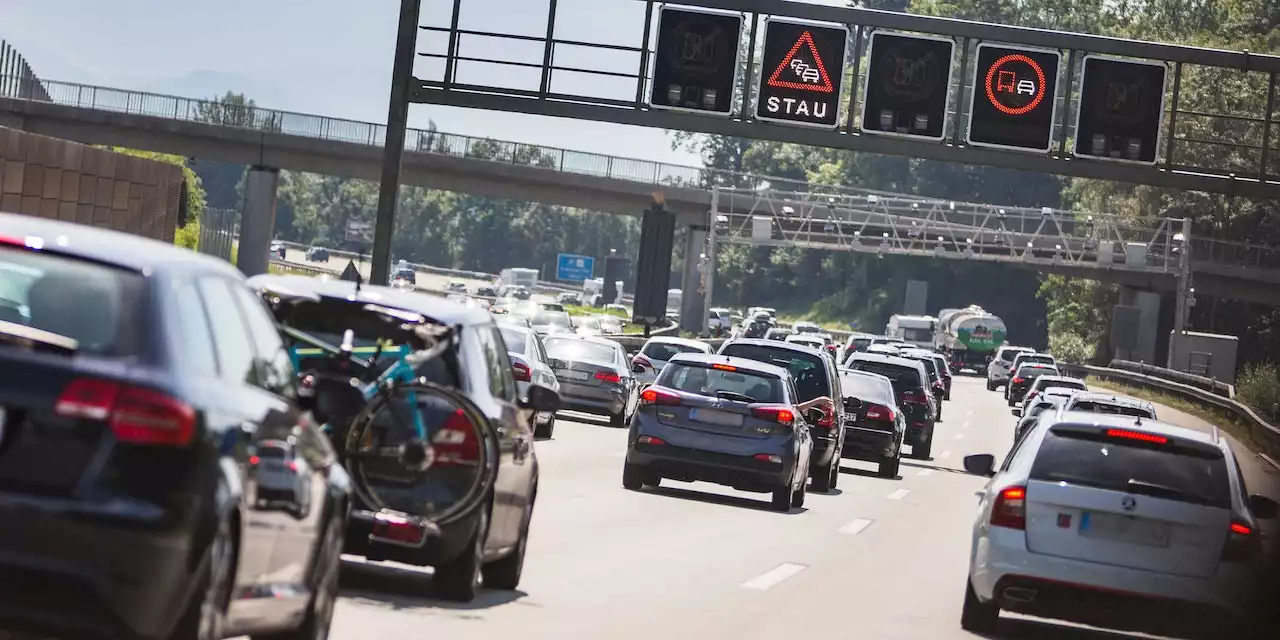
pixel 882 559
pixel 425 280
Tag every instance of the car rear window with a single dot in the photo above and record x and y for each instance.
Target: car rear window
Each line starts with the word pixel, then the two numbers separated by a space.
pixel 1065 384
pixel 930 367
pixel 1190 476
pixel 902 377
pixel 666 350
pixel 862 387
pixel 571 349
pixel 1113 409
pixel 550 318
pixel 516 340
pixel 94 305
pixel 861 343
pixel 706 381
pixel 1035 359
pixel 1035 372
pixel 809 370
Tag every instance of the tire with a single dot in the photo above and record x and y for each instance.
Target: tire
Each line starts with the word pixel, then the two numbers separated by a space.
pixel 632 477
pixel 458 580
pixel 545 430
pixel 1009 399
pixel 889 467
pixel 822 477
pixel 618 419
pixel 835 471
pixel 782 499
pixel 977 616
pixel 991 386
pixel 922 451
pixel 325 595
pixel 505 573
pixel 206 614
pixel 939 418
pixel 797 496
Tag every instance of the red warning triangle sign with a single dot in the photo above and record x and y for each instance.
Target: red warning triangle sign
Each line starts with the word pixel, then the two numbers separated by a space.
pixel 801 76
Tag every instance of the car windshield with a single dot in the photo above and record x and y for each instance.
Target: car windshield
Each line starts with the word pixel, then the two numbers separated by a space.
pixel 550 319
pixel 705 381
pixel 808 369
pixel 516 340
pixel 578 350
pixel 589 323
pixel 665 351
pixel 94 305
pixel 1116 409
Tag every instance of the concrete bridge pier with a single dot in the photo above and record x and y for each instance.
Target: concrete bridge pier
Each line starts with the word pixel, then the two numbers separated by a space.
pixel 693 314
pixel 258 220
pixel 1149 306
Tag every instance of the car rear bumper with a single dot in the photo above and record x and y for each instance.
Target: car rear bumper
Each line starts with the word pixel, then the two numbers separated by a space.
pixel 740 472
pixel 1099 594
pixel 576 397
pixel 452 539
pixel 864 443
pixel 69 569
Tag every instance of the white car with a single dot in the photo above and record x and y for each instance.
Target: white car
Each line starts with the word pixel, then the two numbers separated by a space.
pixel 530 366
pixel 659 350
pixel 282 478
pixel 998 368
pixel 1117 522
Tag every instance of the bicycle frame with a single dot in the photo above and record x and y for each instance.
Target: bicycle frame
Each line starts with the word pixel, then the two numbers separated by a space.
pixel 400 371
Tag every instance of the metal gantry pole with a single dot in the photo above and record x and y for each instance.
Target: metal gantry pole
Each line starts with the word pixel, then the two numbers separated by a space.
pixel 1184 289
pixel 393 149
pixel 709 278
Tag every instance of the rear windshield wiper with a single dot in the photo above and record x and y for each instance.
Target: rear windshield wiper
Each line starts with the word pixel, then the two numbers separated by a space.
pixel 735 396
pixel 32 337
pixel 1164 491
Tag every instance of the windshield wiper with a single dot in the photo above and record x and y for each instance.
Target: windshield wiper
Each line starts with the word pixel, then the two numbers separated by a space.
pixel 31 336
pixel 735 396
pixel 1163 491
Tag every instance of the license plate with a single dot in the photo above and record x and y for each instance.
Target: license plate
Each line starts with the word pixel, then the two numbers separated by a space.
pixel 1106 526
pixel 570 374
pixel 711 416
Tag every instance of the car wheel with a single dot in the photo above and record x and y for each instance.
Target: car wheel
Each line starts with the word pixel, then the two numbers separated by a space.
pixel 1009 399
pixel 889 467
pixel 632 477
pixel 545 430
pixel 206 614
pixel 505 573
pixel 822 477
pixel 618 419
pixel 782 499
pixel 835 471
pixel 978 616
pixel 458 580
pixel 328 567
pixel 797 496
pixel 939 418
pixel 922 450
pixel 991 386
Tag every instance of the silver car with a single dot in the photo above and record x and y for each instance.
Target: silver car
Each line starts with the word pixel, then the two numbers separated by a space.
pixel 998 367
pixel 282 477
pixel 595 376
pixel 529 366
pixel 658 351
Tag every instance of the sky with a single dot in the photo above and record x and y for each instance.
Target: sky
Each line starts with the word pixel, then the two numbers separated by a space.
pixel 333 57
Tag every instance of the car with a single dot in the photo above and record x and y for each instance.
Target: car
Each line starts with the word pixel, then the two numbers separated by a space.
pixel 610 325
pixel 1027 358
pixel 936 385
pixel 1048 402
pixel 283 480
pixel 486 544
pixel 550 322
pixel 659 350
pixel 567 298
pixel 595 374
pixel 530 365
pixel 910 384
pixel 1118 522
pixel 1041 383
pixel 806 327
pixel 278 250
pixel 549 306
pixel 856 342
pixel 815 377
pixel 317 254
pixel 944 368
pixel 874 427
pixel 807 339
pixel 883 349
pixel 406 275
pixel 998 367
pixel 1097 402
pixel 1024 377
pixel 777 333
pixel 138 380
pixel 487 291
pixel 588 326
pixel 519 292
pixel 458 286
pixel 724 419
pixel 753 328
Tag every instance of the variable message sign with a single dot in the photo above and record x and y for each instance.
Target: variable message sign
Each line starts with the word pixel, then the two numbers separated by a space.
pixel 1121 109
pixel 1015 96
pixel 802 72
pixel 695 64
pixel 907 85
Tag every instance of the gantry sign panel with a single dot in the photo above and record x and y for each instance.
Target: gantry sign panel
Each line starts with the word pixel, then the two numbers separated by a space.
pixel 695 64
pixel 1014 101
pixel 908 82
pixel 1121 109
pixel 802 72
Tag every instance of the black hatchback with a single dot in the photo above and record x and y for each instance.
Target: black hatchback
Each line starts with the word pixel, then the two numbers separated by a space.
pixel 910 382
pixel 139 383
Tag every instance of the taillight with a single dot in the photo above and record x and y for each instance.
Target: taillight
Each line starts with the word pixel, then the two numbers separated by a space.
pixel 657 442
pixel 1244 545
pixel 878 412
pixel 659 396
pixel 135 415
pixel 937 384
pixel 398 531
pixel 781 415
pixel 768 457
pixel 1032 395
pixel 1019 380
pixel 828 417
pixel 521 371
pixel 1010 509
pixel 253 460
pixel 456 442
pixel 608 376
pixel 912 396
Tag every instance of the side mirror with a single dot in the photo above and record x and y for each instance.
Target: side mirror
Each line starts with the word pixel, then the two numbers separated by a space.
pixel 1016 411
pixel 1264 507
pixel 990 358
pixel 980 464
pixel 636 367
pixel 852 404
pixel 541 398
pixel 814 414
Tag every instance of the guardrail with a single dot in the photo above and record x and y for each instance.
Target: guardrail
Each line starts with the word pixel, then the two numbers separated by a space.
pixel 1212 385
pixel 1264 437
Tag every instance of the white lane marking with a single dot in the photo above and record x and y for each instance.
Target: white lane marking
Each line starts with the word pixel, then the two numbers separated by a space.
pixel 773 577
pixel 958 436
pixel 855 527
pixel 899 494
pixel 925 472
pixel 965 425
pixel 944 455
pixel 969 412
pixel 620 455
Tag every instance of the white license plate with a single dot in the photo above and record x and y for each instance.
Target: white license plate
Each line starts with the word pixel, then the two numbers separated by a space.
pixel 1128 529
pixel 711 416
pixel 569 374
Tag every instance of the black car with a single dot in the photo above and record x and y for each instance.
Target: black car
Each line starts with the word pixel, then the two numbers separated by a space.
pixel 318 254
pixel 937 386
pixel 1022 379
pixel 488 541
pixel 874 427
pixel 278 250
pixel 139 381
pixel 944 368
pixel 910 382
pixel 815 376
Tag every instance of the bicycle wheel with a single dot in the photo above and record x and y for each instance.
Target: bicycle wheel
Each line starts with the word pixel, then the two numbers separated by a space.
pixel 441 478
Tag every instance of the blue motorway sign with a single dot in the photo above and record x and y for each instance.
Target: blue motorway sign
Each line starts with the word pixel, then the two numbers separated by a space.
pixel 574 267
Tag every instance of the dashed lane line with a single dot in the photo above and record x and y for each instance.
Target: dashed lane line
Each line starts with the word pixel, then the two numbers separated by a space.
pixel 925 472
pixel 899 494
pixel 855 527
pixel 944 455
pixel 775 576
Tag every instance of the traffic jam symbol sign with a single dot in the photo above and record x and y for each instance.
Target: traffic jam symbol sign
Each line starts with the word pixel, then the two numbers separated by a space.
pixel 1121 109
pixel 807 60
pixel 695 66
pixel 907 85
pixel 1014 104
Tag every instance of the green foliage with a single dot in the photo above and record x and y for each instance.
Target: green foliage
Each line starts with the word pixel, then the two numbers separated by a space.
pixel 1258 386
pixel 1071 348
pixel 188 235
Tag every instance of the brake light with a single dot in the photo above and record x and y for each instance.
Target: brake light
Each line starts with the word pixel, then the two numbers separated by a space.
pixel 1010 509
pixel 878 412
pixel 1137 435
pixel 401 531
pixel 1243 546
pixel 293 465
pixel 456 442
pixel 937 384
pixel 658 396
pixel 135 415
pixel 521 371
pixel 608 376
pixel 914 396
pixel 781 415
pixel 1019 380
pixel 724 367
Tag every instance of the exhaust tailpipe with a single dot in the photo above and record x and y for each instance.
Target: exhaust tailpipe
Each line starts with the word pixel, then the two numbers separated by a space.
pixel 1019 594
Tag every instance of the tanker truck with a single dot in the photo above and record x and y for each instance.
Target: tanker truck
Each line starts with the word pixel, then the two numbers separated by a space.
pixel 968 336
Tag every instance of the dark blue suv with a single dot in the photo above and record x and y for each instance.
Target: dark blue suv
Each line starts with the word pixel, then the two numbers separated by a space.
pixel 731 421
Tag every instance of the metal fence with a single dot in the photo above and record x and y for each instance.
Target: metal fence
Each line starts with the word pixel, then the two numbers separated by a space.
pixel 17 77
pixel 217 232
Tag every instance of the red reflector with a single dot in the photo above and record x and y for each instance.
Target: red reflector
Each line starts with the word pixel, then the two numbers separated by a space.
pixel 650 440
pixel 293 465
pixel 780 415
pixel 1240 529
pixel 521 371
pixel 724 367
pixel 135 415
pixel 456 442
pixel 658 396
pixel 768 457
pixel 398 531
pixel 1136 435
pixel 608 376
